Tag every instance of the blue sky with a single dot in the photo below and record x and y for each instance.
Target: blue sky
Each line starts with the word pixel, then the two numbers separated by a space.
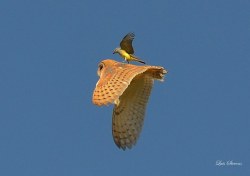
pixel 48 61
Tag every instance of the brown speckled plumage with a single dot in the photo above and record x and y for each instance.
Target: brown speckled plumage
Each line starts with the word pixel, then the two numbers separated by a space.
pixel 128 87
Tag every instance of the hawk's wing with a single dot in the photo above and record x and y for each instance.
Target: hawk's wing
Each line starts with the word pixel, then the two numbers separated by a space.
pixel 128 115
pixel 126 43
pixel 128 87
pixel 114 79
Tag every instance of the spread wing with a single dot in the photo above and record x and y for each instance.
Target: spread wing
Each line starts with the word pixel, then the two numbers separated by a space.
pixel 114 79
pixel 128 87
pixel 126 43
pixel 128 115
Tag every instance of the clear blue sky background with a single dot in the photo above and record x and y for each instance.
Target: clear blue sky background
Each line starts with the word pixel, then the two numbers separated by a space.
pixel 49 52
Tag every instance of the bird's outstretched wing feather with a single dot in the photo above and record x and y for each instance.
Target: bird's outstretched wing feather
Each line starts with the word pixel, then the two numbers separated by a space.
pixel 126 43
pixel 128 116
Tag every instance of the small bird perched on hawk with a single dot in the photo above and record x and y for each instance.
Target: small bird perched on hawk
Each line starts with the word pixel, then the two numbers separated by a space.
pixel 126 50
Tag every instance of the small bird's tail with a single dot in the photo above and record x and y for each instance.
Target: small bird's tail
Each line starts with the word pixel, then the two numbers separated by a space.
pixel 134 58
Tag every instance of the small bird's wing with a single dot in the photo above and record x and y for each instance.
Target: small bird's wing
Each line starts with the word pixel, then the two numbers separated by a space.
pixel 126 43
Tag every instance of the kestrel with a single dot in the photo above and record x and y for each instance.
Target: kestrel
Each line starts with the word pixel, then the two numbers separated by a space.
pixel 126 50
pixel 128 87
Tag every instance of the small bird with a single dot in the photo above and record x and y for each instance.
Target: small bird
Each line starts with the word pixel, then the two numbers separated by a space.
pixel 126 50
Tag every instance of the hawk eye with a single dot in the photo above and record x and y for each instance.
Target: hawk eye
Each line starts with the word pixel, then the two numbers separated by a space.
pixel 100 67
